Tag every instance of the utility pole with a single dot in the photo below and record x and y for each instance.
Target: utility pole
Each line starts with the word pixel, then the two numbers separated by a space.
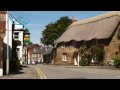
pixel 7 61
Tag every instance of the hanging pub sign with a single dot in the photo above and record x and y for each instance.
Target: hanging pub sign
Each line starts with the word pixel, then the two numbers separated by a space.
pixel 26 38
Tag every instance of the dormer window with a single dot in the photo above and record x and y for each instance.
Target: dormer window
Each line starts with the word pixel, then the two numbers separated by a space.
pixel 63 45
pixel 73 43
pixel 95 41
pixel 46 49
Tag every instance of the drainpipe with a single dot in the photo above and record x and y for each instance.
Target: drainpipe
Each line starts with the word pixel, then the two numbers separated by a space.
pixel 7 61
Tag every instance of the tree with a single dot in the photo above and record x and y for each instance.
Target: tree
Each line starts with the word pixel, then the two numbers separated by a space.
pixel 54 30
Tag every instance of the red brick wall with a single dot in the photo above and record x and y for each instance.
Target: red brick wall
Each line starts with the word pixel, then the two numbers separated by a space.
pixel 2 31
pixel 30 52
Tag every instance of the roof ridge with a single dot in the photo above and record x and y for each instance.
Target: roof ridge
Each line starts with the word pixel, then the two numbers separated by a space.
pixel 96 18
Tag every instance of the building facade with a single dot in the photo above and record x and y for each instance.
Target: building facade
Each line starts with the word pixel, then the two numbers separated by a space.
pixel 100 30
pixel 2 34
pixel 46 54
pixel 18 38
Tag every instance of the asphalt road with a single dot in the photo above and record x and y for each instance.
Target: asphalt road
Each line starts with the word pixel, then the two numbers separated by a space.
pixel 40 71
pixel 70 72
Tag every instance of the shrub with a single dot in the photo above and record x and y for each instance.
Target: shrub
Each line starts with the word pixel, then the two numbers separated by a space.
pixel 85 57
pixel 14 65
pixel 84 61
pixel 117 62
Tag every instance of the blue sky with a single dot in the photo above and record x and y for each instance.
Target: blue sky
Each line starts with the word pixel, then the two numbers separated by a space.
pixel 39 19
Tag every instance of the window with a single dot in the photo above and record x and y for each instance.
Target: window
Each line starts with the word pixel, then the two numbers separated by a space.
pixel 64 57
pixel 73 43
pixel 32 55
pixel 16 35
pixel 116 53
pixel 46 49
pixel 63 45
pixel 35 50
pixel 38 55
pixel 35 55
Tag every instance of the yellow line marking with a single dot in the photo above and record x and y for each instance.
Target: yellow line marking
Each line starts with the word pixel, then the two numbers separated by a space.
pixel 40 77
pixel 44 76
pixel 41 74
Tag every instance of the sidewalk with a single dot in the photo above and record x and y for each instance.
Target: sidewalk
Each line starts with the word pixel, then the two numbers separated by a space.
pixel 25 73
pixel 94 67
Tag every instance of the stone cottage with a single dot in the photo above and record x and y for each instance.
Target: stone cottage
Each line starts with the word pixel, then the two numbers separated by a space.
pixel 101 30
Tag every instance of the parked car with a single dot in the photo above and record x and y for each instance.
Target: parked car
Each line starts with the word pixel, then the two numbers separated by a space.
pixel 33 62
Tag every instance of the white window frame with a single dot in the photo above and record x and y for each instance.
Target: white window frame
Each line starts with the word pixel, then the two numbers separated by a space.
pixel 64 57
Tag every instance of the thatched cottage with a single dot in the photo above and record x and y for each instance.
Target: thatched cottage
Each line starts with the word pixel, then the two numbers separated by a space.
pixel 99 30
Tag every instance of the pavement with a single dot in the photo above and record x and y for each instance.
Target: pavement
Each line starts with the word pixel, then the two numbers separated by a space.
pixel 93 67
pixel 25 73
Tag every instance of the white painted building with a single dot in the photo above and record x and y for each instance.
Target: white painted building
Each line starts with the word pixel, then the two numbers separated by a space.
pixel 9 35
pixel 18 36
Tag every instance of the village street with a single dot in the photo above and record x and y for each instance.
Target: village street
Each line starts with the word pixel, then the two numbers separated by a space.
pixel 40 71
pixel 61 45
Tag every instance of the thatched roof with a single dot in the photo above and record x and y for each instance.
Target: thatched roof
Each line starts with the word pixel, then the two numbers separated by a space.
pixel 99 27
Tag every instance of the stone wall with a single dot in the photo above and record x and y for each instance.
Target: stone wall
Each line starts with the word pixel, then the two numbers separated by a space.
pixel 112 48
pixel 69 51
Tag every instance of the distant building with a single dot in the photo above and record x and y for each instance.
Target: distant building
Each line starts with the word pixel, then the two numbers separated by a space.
pixel 26 45
pixel 36 54
pixel 33 53
pixel 47 54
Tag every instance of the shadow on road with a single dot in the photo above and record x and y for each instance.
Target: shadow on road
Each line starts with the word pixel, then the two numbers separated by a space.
pixel 19 71
pixel 25 67
pixel 16 72
pixel 76 78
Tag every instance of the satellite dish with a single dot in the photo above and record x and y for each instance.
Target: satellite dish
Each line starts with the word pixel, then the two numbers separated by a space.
pixel 23 20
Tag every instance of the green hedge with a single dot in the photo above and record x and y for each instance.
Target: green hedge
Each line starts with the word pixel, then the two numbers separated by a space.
pixel 117 62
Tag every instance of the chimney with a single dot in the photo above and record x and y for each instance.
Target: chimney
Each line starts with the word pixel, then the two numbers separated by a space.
pixel 74 19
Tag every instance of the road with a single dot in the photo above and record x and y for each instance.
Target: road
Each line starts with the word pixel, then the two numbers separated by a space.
pixel 40 71
pixel 70 72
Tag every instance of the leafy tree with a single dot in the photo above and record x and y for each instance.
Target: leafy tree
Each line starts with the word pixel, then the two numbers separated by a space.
pixel 54 30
